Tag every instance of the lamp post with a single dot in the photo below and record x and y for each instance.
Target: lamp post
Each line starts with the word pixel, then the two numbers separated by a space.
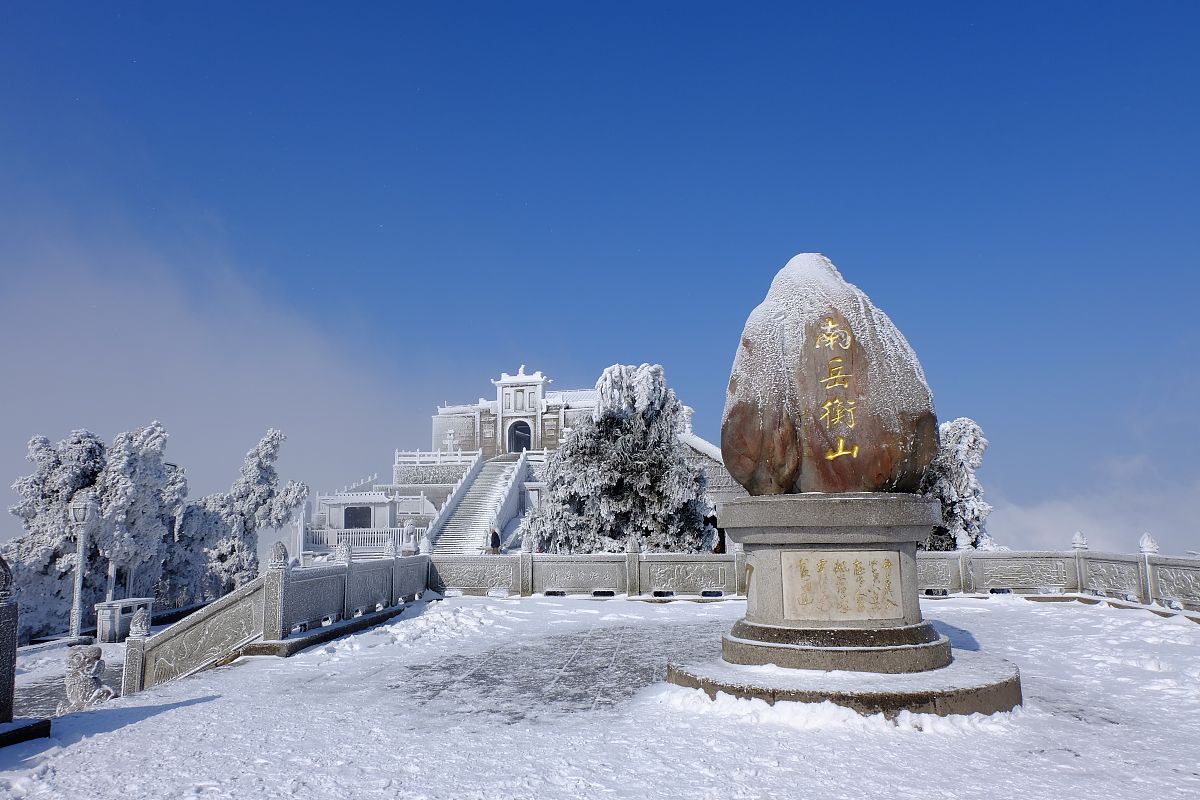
pixel 80 513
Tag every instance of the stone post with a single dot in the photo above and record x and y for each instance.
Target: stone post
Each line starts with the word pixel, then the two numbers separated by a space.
pixel 526 573
pixel 390 552
pixel 135 653
pixel 1079 544
pixel 344 554
pixel 1147 547
pixel 8 643
pixel 274 592
pixel 739 565
pixel 633 566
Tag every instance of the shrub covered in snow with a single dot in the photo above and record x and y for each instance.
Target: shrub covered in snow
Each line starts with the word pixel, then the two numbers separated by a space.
pixel 624 474
pixel 951 479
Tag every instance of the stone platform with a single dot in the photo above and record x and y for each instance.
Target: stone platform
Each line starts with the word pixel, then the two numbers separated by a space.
pixel 22 730
pixel 833 612
pixel 973 683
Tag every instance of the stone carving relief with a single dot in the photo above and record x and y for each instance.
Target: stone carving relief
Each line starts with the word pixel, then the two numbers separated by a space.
pixel 140 624
pixel 279 557
pixel 1026 573
pixel 370 587
pixel 690 578
pixel 1110 576
pixel 933 573
pixel 565 575
pixel 1178 584
pixel 311 600
pixel 211 638
pixel 476 576
pixel 84 689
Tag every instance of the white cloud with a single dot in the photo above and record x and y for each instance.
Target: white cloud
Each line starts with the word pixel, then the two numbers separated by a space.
pixel 108 337
pixel 1112 518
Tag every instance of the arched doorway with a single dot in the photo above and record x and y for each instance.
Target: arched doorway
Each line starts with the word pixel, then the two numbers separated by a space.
pixel 519 437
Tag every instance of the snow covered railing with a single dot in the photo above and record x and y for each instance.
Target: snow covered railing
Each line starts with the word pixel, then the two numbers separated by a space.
pixel 1145 578
pixel 361 539
pixel 197 641
pixel 283 600
pixel 509 504
pixel 455 496
pixel 421 458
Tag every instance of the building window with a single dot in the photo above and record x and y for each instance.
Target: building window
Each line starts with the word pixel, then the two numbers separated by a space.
pixel 358 516
pixel 508 401
pixel 520 399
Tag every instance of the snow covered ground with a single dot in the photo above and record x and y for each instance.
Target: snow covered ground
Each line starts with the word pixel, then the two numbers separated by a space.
pixel 559 698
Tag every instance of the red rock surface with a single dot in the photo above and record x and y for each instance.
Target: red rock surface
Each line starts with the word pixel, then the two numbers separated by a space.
pixel 826 395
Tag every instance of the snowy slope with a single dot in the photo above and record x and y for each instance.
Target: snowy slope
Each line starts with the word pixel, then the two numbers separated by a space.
pixel 556 698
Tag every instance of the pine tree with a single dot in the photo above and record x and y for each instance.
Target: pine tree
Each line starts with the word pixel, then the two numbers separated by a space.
pixel 624 474
pixel 951 480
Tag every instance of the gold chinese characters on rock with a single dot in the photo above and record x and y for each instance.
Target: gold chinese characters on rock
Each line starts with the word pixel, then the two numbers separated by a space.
pixel 841 584
pixel 838 409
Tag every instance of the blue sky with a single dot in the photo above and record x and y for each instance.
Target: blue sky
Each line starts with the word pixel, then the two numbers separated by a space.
pixel 332 218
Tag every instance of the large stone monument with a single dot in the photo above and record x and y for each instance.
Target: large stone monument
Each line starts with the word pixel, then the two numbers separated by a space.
pixel 829 425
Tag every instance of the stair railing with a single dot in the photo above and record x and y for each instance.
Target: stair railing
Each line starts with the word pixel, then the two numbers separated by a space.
pixel 509 502
pixel 455 497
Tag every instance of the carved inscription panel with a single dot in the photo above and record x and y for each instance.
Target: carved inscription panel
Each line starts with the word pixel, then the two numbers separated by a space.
pixel 566 575
pixel 841 584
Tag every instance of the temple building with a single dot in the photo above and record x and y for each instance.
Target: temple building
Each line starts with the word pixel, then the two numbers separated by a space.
pixel 526 415
pixel 485 470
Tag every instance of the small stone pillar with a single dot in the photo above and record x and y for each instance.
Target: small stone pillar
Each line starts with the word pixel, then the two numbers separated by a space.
pixel 633 566
pixel 135 653
pixel 274 588
pixel 8 644
pixel 12 730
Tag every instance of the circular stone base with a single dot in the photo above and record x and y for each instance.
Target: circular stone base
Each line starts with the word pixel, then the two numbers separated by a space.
pixel 973 683
pixel 911 648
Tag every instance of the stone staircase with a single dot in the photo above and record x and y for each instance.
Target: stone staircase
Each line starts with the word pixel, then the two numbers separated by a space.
pixel 465 532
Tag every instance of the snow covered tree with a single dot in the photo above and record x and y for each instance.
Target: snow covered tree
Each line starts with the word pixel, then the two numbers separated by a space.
pixel 139 495
pixel 224 526
pixel 951 480
pixel 624 473
pixel 43 559
pixel 180 553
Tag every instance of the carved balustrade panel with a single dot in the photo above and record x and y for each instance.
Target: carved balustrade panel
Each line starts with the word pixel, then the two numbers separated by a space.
pixel 309 596
pixel 1025 572
pixel 205 639
pixel 579 573
pixel 1118 578
pixel 479 573
pixel 371 584
pixel 1178 583
pixel 412 576
pixel 937 573
pixel 692 576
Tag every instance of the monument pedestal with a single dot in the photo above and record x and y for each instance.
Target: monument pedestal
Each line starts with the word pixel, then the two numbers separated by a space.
pixel 831 585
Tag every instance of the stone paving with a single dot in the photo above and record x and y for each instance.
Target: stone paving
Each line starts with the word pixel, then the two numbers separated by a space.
pixel 557 674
